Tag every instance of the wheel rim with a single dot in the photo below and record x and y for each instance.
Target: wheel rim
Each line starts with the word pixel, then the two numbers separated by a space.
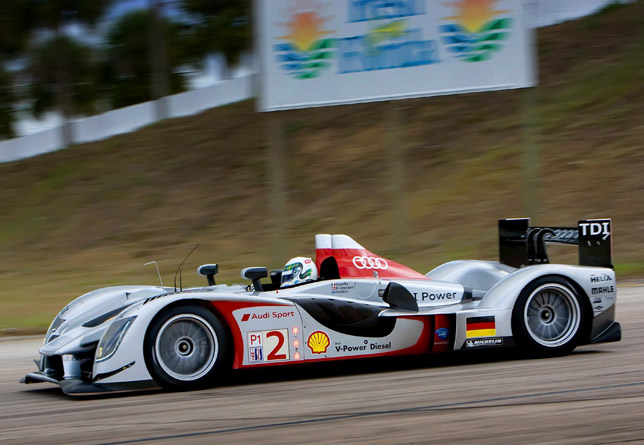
pixel 552 315
pixel 186 347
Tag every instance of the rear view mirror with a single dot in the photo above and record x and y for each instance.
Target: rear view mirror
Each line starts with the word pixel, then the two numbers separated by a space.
pixel 209 271
pixel 255 274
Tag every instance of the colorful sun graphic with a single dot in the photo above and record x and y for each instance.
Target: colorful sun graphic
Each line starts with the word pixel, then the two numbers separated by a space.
pixel 306 48
pixel 474 14
pixel 477 29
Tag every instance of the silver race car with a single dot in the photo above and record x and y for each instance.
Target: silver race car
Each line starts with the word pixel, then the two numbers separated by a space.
pixel 361 305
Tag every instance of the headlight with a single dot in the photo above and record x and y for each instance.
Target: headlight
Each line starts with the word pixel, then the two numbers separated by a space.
pixel 59 320
pixel 112 338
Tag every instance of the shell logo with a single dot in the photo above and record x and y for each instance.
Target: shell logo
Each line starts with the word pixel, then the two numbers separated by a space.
pixel 318 342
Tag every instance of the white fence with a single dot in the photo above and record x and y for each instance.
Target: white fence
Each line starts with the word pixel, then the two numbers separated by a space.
pixel 125 120
pixel 540 13
pixel 32 145
pixel 223 93
pixel 115 122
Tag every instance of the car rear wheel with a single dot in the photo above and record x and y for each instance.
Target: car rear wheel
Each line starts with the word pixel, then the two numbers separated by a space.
pixel 185 348
pixel 549 316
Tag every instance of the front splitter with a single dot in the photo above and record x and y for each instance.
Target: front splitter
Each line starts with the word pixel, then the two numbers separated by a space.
pixel 78 387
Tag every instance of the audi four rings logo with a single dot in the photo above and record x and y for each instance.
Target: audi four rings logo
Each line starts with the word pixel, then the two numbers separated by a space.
pixel 368 262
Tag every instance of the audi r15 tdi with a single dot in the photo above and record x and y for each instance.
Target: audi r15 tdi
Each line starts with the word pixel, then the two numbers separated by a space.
pixel 360 305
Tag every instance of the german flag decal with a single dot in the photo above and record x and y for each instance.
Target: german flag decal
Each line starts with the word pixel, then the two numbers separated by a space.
pixel 481 327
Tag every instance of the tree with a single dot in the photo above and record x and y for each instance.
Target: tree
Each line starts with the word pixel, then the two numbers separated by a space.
pixel 128 72
pixel 15 22
pixel 14 25
pixel 81 72
pixel 7 100
pixel 222 26
pixel 54 16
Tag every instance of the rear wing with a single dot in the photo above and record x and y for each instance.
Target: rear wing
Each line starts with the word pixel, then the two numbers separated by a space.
pixel 522 245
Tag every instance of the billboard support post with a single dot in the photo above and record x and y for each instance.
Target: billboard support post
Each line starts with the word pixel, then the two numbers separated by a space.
pixel 396 150
pixel 531 154
pixel 274 129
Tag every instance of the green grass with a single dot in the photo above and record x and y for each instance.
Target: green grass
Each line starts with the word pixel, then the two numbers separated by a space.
pixel 92 215
pixel 630 269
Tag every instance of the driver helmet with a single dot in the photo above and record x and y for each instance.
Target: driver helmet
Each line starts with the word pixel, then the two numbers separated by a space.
pixel 299 270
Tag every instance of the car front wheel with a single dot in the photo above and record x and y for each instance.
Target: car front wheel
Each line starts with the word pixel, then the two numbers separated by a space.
pixel 185 348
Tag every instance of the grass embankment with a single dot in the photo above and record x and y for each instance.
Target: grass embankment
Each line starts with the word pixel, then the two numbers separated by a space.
pixel 91 215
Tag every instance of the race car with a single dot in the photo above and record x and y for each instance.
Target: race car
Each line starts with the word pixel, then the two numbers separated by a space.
pixel 361 305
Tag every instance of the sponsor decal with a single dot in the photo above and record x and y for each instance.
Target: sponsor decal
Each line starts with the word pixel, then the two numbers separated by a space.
pixel 347 348
pixel 476 31
pixel 599 308
pixel 268 346
pixel 595 229
pixel 392 40
pixel 602 290
pixel 367 346
pixel 597 300
pixel 442 333
pixel 434 296
pixel 374 10
pixel 256 354
pixel 390 45
pixel 368 262
pixel 306 48
pixel 343 287
pixel 379 346
pixel 318 342
pixel 563 235
pixel 478 342
pixel 308 45
pixel 600 278
pixel 274 315
pixel 480 327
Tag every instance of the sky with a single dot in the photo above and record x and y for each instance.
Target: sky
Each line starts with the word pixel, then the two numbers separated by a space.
pixel 125 5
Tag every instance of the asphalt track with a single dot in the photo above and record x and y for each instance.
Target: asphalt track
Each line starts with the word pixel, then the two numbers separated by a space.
pixel 593 396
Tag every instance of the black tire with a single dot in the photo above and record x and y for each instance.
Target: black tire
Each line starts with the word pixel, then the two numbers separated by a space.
pixel 185 348
pixel 550 317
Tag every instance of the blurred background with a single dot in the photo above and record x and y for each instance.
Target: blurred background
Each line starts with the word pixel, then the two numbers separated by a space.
pixel 64 60
pixel 85 74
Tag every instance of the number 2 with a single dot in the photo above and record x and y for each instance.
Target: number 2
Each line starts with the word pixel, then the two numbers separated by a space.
pixel 273 355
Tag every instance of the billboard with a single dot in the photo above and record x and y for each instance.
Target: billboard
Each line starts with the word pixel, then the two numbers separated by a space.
pixel 329 52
